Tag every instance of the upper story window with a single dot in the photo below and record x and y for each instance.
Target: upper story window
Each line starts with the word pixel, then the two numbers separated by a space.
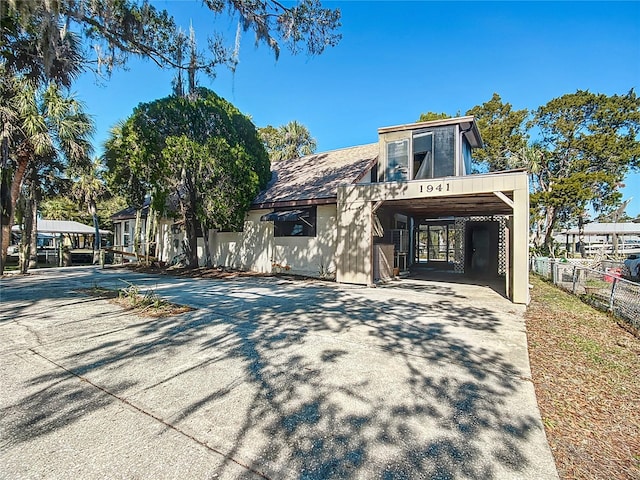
pixel 426 150
pixel 397 161
pixel 421 155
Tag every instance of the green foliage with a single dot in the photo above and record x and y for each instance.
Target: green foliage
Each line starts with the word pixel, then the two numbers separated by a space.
pixel 503 133
pixel 62 208
pixel 288 141
pixel 587 144
pixel 429 116
pixel 200 150
pixel 41 39
pixel 43 130
pixel 590 143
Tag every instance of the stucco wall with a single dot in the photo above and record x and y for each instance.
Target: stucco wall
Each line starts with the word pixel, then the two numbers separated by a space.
pixel 256 248
pixel 247 250
pixel 312 256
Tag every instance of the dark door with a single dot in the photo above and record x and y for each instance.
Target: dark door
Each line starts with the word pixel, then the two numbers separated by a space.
pixel 481 252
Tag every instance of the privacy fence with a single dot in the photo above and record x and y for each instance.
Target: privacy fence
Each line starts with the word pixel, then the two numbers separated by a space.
pixel 600 284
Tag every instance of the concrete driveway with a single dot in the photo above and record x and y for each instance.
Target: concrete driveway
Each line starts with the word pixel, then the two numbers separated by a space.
pixel 268 378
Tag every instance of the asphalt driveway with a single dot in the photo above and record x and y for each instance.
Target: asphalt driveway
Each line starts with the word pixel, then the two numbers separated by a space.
pixel 267 378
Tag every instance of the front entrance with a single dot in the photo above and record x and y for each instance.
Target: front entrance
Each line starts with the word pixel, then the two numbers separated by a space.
pixel 481 249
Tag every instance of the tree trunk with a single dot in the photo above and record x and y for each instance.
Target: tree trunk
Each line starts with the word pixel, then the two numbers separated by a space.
pixel 189 213
pixel 148 234
pixel 25 244
pixel 551 215
pixel 5 205
pixel 192 239
pixel 29 239
pixel 137 231
pixel 33 212
pixel 207 250
pixel 154 233
pixel 97 243
pixel 16 184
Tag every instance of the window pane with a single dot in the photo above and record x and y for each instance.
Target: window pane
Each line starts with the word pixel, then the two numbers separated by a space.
pixel 305 226
pixel 423 156
pixel 466 155
pixel 437 242
pixel 444 161
pixel 397 161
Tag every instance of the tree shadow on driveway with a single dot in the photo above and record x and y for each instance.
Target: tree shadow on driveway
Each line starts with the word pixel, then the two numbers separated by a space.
pixel 300 380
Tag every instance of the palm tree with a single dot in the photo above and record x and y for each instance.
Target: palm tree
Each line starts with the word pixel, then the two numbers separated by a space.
pixel 88 188
pixel 288 141
pixel 40 122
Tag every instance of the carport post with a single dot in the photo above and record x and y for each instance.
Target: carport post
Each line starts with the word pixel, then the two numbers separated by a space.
pixel 520 293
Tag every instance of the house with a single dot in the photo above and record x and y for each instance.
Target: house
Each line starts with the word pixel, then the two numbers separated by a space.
pixel 124 223
pixel 364 213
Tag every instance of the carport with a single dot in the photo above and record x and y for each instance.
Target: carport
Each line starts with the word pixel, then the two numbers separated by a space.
pixel 489 214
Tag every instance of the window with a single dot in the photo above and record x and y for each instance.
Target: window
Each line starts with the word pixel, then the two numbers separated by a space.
pixel 423 156
pixel 299 222
pixel 397 161
pixel 466 156
pixel 126 235
pixel 432 155
pixel 444 152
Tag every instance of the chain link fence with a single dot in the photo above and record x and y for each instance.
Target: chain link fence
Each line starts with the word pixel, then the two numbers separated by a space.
pixel 601 285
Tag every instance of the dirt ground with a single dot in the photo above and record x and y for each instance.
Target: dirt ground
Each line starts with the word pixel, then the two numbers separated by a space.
pixel 586 371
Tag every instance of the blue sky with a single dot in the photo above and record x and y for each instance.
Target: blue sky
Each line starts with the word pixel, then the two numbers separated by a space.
pixel 398 59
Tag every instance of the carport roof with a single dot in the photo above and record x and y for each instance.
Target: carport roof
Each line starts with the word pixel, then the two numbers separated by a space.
pixel 455 206
pixel 64 226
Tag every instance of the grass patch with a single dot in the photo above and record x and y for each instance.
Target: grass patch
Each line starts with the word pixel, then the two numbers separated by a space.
pixel 586 373
pixel 147 303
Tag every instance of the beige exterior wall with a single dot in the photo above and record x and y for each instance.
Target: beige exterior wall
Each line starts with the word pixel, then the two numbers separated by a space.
pixel 250 249
pixel 256 248
pixel 167 242
pixel 356 203
pixel 312 256
pixel 354 247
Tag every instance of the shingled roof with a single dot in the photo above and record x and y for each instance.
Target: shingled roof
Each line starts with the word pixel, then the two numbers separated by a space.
pixel 315 178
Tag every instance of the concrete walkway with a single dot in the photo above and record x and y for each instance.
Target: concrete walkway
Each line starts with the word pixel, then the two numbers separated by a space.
pixel 268 378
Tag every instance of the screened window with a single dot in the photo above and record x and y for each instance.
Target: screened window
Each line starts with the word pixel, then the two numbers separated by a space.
pixel 466 156
pixel 422 155
pixel 444 152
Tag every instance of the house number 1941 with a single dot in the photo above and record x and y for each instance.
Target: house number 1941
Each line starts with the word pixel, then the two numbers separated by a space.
pixel 438 188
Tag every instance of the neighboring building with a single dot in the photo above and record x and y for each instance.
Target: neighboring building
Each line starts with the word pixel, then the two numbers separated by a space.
pixel 76 236
pixel 73 234
pixel 603 238
pixel 124 223
pixel 405 202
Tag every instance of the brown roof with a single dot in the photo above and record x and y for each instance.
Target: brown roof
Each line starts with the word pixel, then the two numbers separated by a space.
pixel 315 178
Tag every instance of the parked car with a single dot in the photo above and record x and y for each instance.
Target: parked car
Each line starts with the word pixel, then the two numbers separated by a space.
pixel 633 264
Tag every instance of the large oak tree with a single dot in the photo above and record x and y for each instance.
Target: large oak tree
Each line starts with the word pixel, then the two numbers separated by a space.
pixel 197 150
pixel 585 144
